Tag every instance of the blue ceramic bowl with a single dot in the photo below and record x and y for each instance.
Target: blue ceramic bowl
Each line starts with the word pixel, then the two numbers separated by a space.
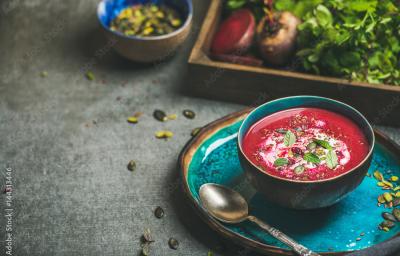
pixel 145 49
pixel 305 194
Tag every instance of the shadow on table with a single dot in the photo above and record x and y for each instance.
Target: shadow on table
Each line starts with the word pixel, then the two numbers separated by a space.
pixel 199 229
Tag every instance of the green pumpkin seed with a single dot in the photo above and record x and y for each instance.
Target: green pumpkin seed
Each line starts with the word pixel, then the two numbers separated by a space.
pixel 378 175
pixel 396 202
pixel 131 165
pixel 381 199
pixel 388 216
pixel 396 214
pixel 380 184
pixel 387 183
pixel 90 76
pixel 145 249
pixel 164 134
pixel 387 224
pixel 172 117
pixel 146 237
pixel 160 115
pixel 311 146
pixel 388 197
pixel 159 212
pixel 195 131
pixel 44 74
pixel 133 120
pixel 189 114
pixel 173 243
pixel 299 169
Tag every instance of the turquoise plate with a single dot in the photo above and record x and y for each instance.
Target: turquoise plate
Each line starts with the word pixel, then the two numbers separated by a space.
pixel 212 157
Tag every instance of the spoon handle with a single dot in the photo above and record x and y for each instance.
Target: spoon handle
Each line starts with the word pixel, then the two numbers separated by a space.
pixel 298 248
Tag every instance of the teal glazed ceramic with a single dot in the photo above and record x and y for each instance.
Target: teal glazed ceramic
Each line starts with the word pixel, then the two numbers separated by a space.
pixel 212 157
pixel 145 49
pixel 305 194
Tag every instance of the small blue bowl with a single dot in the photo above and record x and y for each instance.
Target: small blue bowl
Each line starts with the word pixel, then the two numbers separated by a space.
pixel 145 49
pixel 305 194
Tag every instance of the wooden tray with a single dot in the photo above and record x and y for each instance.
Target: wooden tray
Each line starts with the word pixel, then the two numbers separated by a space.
pixel 255 85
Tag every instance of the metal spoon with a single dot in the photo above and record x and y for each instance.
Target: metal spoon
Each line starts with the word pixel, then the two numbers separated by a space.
pixel 229 206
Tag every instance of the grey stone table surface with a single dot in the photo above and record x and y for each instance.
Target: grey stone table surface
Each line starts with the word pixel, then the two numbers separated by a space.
pixel 67 141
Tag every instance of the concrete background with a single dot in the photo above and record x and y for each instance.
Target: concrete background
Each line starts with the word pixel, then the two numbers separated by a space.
pixel 67 141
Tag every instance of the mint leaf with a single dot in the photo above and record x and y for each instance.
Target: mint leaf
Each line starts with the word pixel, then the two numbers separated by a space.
pixel 323 144
pixel 289 139
pixel 323 15
pixel 331 159
pixel 311 158
pixel 281 162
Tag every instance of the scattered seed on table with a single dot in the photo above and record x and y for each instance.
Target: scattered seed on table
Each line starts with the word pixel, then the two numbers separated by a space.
pixel 164 134
pixel 147 238
pixel 362 234
pixel 146 249
pixel 160 115
pixel 90 75
pixel 159 212
pixel 189 114
pixel 44 74
pixel 172 117
pixel 358 239
pixel 173 243
pixel 394 178
pixel 131 165
pixel 133 120
pixel 195 131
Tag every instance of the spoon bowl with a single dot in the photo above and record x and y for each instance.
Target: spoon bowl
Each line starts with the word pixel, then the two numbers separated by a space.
pixel 227 205
pixel 223 203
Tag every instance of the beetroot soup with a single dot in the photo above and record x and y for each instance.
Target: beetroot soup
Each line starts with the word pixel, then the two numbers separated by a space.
pixel 305 144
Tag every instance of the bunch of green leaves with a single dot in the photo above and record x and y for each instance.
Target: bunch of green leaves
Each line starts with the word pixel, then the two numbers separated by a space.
pixel 357 39
pixel 256 6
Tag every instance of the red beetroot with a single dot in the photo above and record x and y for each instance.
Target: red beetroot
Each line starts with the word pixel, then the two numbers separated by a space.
pixel 235 34
pixel 277 39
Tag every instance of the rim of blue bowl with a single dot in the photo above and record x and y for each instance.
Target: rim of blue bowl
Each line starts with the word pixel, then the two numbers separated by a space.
pixel 371 130
pixel 150 38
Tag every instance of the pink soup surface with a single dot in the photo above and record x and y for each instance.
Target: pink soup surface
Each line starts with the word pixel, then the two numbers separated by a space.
pixel 305 144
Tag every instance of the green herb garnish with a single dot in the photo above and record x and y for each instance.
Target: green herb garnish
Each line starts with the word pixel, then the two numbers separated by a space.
pixel 311 158
pixel 289 139
pixel 331 159
pixel 323 144
pixel 281 162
